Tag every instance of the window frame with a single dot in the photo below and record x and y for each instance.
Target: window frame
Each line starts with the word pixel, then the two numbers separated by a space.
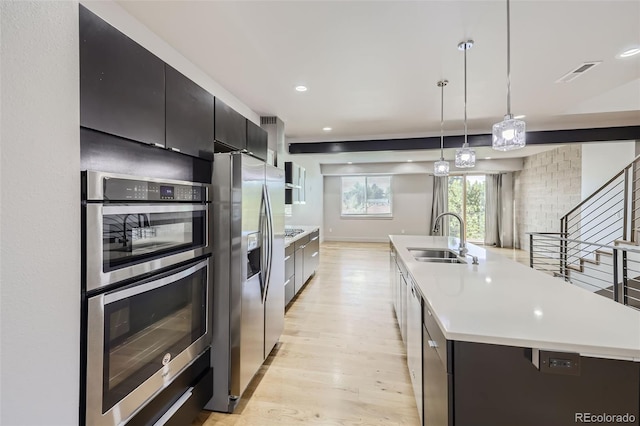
pixel 367 215
pixel 464 199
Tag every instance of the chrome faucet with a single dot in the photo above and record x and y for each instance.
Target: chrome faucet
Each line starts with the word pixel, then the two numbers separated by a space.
pixel 463 242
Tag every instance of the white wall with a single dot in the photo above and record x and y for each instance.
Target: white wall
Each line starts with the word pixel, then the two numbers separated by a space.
pixel 602 160
pixel 411 201
pixel 39 213
pixel 309 213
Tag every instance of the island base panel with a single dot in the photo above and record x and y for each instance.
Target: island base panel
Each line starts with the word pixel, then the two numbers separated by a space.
pixel 499 386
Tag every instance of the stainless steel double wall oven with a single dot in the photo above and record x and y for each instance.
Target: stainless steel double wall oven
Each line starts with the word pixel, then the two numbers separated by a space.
pixel 146 287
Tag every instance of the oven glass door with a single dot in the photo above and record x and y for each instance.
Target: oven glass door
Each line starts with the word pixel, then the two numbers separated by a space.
pixel 126 241
pixel 148 324
pixel 137 234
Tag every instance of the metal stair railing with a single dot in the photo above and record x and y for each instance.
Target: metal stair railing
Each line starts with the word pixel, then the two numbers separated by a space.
pixel 610 214
pixel 613 271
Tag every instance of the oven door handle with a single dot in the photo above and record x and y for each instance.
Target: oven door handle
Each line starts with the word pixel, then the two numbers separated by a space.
pixel 152 285
pixel 140 209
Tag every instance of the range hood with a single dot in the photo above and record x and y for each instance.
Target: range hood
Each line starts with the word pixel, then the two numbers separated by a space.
pixel 275 139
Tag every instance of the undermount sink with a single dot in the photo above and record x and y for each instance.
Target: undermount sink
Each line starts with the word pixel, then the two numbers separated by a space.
pixel 440 260
pixel 435 255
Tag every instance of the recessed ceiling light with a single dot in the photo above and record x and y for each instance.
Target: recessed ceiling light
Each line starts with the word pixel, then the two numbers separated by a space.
pixel 629 52
pixel 349 162
pixel 301 88
pixel 327 129
pixel 519 117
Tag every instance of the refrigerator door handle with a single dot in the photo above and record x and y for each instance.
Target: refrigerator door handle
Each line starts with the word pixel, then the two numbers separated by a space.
pixel 265 244
pixel 271 235
pixel 269 220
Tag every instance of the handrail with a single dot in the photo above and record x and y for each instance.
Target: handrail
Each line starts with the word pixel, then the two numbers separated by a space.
pixel 620 173
pixel 614 276
pixel 587 243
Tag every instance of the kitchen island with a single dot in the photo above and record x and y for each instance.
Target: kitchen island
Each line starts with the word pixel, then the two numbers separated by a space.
pixel 498 343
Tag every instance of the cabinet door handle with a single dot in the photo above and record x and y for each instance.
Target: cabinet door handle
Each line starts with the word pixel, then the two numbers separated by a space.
pixel 303 246
pixel 159 145
pixel 313 239
pixel 433 344
pixel 287 282
pixel 287 258
pixel 314 254
pixel 174 149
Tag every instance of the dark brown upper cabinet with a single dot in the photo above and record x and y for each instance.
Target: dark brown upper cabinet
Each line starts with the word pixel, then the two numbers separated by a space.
pixel 189 116
pixel 121 83
pixel 256 140
pixel 230 127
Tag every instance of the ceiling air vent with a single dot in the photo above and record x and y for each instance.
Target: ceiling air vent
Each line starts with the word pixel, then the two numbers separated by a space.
pixel 268 120
pixel 580 70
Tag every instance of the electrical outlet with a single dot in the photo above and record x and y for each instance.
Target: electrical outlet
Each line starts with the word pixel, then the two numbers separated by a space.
pixel 402 231
pixel 330 230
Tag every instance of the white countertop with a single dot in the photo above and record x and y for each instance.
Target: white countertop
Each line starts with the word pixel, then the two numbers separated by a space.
pixel 307 230
pixel 503 302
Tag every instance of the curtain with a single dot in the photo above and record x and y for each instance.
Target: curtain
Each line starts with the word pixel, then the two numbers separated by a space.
pixel 499 210
pixel 439 204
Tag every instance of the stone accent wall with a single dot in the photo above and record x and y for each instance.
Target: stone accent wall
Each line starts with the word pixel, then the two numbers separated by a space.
pixel 546 189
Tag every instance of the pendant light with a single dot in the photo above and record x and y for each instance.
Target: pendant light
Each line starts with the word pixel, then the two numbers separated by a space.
pixel 465 156
pixel 441 168
pixel 509 134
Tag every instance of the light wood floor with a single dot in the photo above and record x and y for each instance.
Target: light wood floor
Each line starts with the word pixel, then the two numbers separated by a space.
pixel 519 256
pixel 340 360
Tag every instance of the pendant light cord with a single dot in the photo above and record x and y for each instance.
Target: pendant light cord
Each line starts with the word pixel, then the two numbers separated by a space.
pixel 465 97
pixel 508 60
pixel 442 84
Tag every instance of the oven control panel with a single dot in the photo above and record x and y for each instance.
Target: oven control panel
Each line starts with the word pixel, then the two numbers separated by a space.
pixel 116 189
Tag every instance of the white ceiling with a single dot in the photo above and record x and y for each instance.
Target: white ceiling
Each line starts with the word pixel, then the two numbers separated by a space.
pixel 372 66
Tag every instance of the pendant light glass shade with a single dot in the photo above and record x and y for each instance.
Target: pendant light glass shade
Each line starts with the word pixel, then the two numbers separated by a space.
pixel 465 156
pixel 509 134
pixel 441 168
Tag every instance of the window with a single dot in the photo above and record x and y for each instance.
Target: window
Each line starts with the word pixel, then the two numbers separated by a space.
pixel 467 198
pixel 366 196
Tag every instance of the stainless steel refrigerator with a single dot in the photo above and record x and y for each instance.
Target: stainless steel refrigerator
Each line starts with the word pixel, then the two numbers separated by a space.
pixel 248 257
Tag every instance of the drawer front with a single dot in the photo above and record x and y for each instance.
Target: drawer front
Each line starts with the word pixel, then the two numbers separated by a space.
pixel 313 245
pixel 302 242
pixel 315 235
pixel 289 290
pixel 437 337
pixel 289 250
pixel 289 265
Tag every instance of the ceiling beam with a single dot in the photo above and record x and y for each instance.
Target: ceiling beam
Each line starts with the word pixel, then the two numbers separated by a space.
pixel 409 144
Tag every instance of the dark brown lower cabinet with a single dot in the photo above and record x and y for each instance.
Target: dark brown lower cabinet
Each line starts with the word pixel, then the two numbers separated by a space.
pixel 494 385
pixel 497 385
